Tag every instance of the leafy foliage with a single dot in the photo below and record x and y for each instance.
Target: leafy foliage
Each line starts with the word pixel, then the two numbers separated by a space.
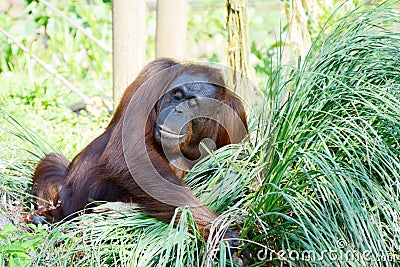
pixel 18 246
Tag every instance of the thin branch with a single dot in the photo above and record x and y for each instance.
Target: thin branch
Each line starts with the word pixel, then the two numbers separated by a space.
pixel 78 27
pixel 50 69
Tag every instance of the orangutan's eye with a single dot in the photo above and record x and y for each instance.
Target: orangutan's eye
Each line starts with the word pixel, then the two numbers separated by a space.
pixel 192 102
pixel 178 95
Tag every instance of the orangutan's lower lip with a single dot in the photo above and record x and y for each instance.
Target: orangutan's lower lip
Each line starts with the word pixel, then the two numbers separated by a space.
pixel 165 133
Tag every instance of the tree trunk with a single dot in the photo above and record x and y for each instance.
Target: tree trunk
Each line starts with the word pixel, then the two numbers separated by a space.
pixel 129 43
pixel 171 28
pixel 238 49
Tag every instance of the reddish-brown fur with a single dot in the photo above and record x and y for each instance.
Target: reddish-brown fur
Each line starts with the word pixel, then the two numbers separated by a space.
pixel 100 173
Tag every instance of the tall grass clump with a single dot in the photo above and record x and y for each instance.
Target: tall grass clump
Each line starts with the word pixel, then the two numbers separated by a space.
pixel 316 184
pixel 330 193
